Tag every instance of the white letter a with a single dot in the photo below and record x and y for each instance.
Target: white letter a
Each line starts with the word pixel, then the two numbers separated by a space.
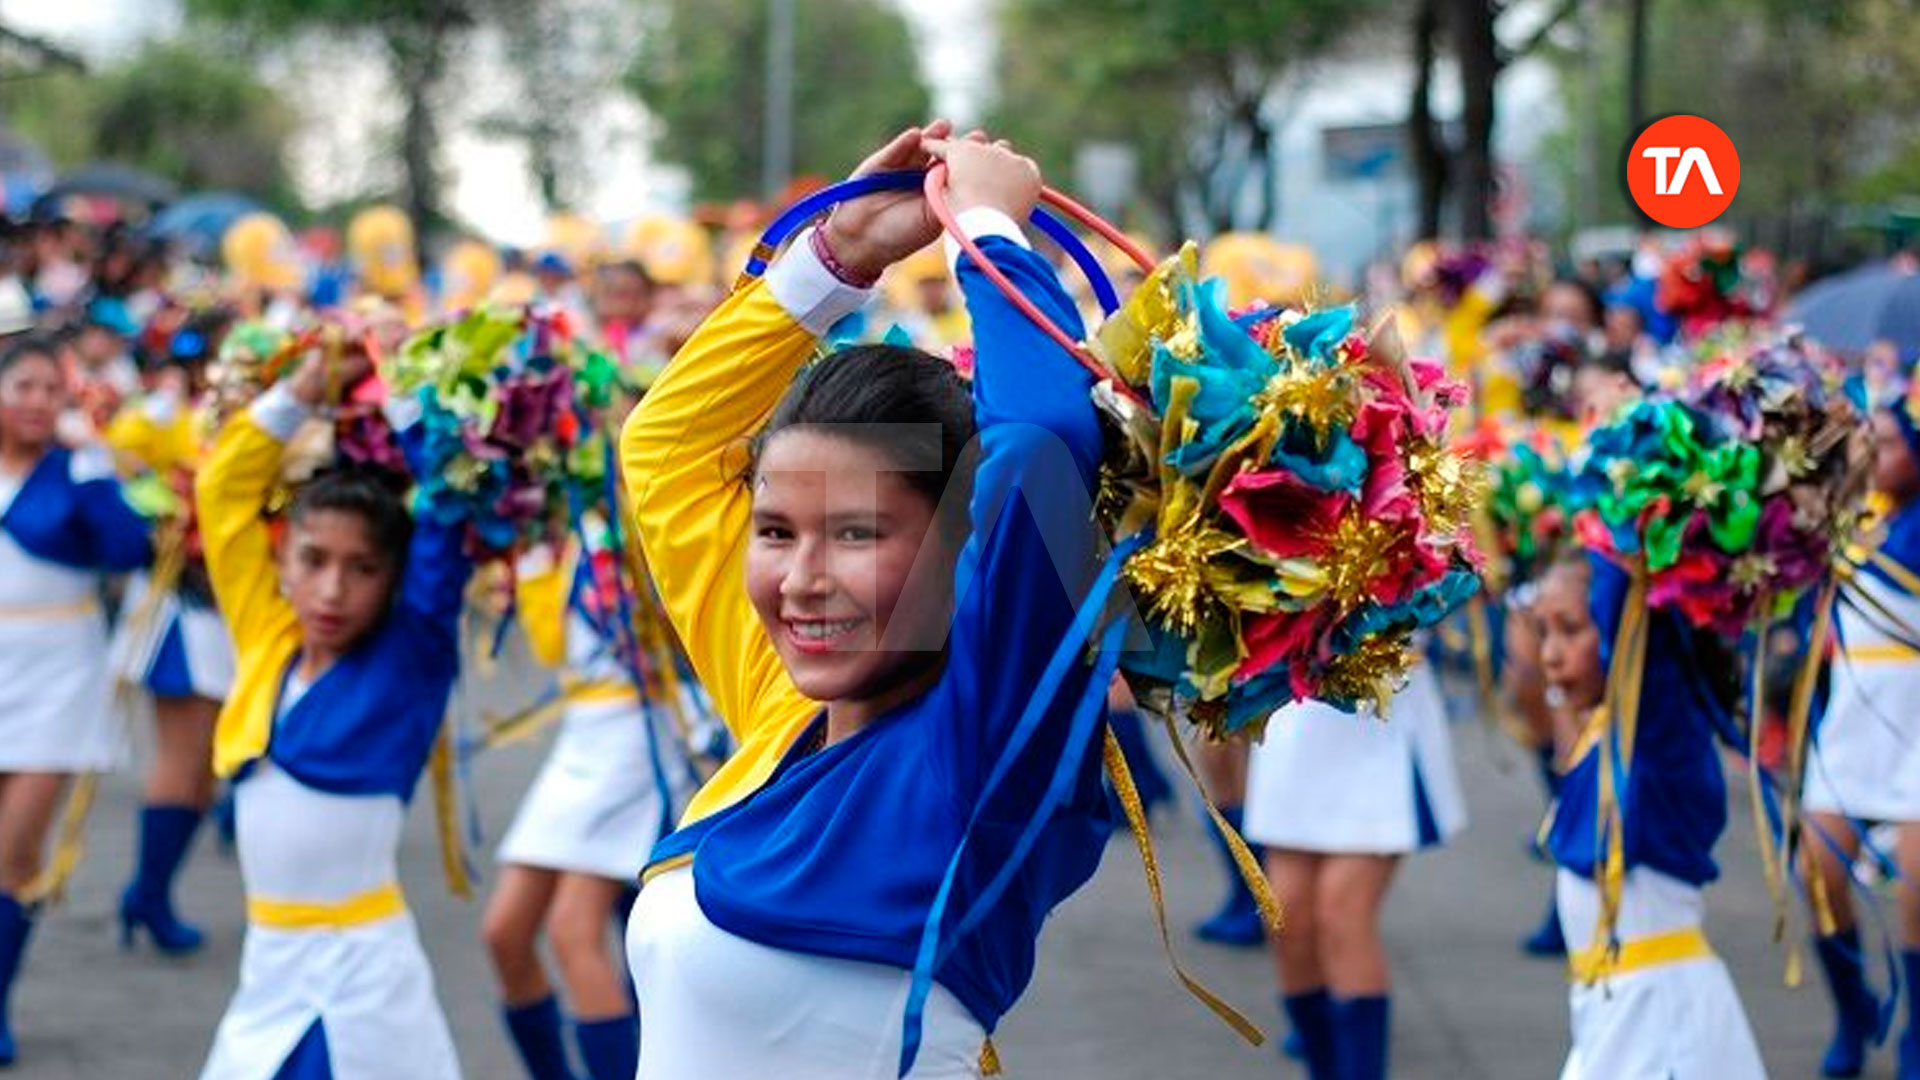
pixel 1687 161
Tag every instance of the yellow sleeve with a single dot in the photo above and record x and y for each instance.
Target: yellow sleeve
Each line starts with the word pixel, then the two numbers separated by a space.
pixel 540 600
pixel 141 443
pixel 683 459
pixel 230 491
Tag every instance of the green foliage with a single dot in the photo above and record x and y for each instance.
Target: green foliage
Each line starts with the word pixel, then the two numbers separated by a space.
pixel 1809 94
pixel 1178 80
pixel 700 71
pixel 195 118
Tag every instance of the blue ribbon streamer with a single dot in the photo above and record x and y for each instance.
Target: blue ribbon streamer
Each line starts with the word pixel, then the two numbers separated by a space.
pixel 934 948
pixel 795 217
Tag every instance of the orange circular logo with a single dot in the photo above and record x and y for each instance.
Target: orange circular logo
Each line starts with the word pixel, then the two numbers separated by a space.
pixel 1683 171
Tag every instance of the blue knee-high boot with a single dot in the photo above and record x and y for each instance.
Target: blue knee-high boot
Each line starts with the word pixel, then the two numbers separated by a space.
pixel 15 926
pixel 1312 1019
pixel 1547 939
pixel 1360 1037
pixel 536 1034
pixel 1238 920
pixel 1910 1042
pixel 1856 1010
pixel 610 1048
pixel 166 835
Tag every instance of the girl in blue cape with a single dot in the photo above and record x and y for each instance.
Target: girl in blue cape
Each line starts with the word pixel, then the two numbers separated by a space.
pixel 871 595
pixel 1652 1002
pixel 348 650
pixel 1865 764
pixel 63 523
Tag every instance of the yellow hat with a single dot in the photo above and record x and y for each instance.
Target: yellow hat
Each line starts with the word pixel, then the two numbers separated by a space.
pixel 260 253
pixel 902 280
pixel 673 250
pixel 514 289
pixel 1421 257
pixel 467 273
pixel 380 240
pixel 576 240
pixel 1258 267
pixel 739 249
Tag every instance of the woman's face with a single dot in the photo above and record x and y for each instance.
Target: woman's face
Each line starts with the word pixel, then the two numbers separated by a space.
pixel 32 394
pixel 1569 640
pixel 1894 471
pixel 846 568
pixel 336 579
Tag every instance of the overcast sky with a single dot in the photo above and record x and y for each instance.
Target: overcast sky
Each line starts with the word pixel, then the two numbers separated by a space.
pixel 337 90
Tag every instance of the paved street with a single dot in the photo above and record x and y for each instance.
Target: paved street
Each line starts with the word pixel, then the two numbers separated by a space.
pixel 1104 1006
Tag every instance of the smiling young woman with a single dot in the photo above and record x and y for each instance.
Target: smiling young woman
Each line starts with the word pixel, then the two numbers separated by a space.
pixel 872 610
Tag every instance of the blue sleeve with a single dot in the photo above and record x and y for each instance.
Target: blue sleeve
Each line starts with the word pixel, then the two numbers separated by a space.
pixel 1034 545
pixel 1902 542
pixel 119 535
pixel 438 567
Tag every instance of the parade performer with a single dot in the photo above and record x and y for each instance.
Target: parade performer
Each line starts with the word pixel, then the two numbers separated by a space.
pixel 1661 1007
pixel 1705 514
pixel 1337 800
pixel 778 926
pixel 608 791
pixel 63 523
pixel 1865 765
pixel 171 643
pixel 347 654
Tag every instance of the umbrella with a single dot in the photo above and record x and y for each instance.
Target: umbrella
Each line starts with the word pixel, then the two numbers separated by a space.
pixel 108 180
pixel 1850 311
pixel 24 170
pixel 199 221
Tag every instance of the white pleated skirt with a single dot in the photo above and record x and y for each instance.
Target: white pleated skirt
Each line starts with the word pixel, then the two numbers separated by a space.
pixel 1679 1021
pixel 596 806
pixel 165 644
pixel 1353 784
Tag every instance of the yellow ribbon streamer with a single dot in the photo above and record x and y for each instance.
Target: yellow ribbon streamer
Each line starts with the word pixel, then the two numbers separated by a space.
pixel 446 816
pixel 1129 793
pixel 1621 719
pixel 50 884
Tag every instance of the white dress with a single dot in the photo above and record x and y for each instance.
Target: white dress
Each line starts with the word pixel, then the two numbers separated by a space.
pixel 1866 752
pixel 368 985
pixel 1353 784
pixel 714 1006
pixel 1677 1021
pixel 596 806
pixel 56 698
pixel 146 623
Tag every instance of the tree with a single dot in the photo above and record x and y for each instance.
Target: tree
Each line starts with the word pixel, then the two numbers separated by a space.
pixel 1812 122
pixel 1466 172
pixel 1196 86
pixel 414 35
pixel 193 117
pixel 700 73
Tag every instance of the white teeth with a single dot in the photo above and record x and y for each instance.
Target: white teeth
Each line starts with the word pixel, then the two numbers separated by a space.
pixel 822 631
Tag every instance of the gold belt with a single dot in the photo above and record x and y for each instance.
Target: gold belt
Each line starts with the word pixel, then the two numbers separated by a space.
pixel 1593 963
pixel 371 906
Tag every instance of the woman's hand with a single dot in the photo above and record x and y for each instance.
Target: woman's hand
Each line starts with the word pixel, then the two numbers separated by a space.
pixel 323 379
pixel 871 233
pixel 987 174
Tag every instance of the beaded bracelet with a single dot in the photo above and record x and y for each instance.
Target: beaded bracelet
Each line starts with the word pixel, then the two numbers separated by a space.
pixel 824 252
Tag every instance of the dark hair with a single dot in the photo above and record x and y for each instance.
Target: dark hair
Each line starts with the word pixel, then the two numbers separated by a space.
pixel 376 496
pixel 906 403
pixel 1596 307
pixel 20 346
pixel 628 266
